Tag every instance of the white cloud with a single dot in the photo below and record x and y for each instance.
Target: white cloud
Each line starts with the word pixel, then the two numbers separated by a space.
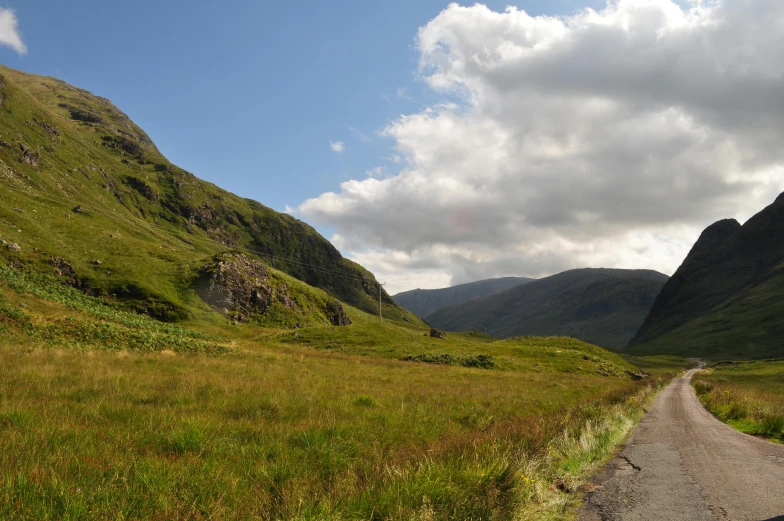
pixel 359 134
pixel 9 31
pixel 608 138
pixel 337 146
pixel 377 172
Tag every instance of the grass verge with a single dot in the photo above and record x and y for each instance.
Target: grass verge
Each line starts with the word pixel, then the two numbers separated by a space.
pixel 749 396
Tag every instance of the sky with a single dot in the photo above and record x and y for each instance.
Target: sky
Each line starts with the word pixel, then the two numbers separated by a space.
pixel 440 143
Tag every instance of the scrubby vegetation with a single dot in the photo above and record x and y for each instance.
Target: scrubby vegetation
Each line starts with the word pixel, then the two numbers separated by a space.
pixel 96 325
pixel 748 396
pixel 483 361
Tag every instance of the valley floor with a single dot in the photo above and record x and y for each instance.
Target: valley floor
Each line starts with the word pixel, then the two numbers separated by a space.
pixel 105 414
pixel 289 434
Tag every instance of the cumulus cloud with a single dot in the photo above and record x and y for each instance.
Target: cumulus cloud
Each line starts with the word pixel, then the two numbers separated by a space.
pixel 9 31
pixel 606 138
pixel 337 146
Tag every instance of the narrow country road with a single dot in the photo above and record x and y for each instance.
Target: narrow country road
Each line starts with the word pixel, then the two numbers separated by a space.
pixel 681 463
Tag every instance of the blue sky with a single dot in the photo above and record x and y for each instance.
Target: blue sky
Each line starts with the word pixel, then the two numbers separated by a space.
pixel 248 95
pixel 608 140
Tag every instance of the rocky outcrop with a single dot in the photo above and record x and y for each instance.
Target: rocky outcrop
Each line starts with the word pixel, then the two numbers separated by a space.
pixel 239 286
pixel 337 315
pixel 28 156
pixel 435 333
pixel 62 268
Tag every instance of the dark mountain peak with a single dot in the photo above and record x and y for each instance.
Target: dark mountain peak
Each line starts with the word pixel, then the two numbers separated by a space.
pixel 718 232
pixel 726 261
pixel 712 240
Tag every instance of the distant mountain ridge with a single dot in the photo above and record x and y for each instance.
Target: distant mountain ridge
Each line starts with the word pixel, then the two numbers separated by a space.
pixel 423 302
pixel 725 299
pixel 602 306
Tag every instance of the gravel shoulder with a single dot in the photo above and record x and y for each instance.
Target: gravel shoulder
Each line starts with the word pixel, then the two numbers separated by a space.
pixel 681 463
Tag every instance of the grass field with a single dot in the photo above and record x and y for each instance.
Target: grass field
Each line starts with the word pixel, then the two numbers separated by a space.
pixel 315 423
pixel 748 396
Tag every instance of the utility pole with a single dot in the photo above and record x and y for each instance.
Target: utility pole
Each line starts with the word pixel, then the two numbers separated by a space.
pixel 380 320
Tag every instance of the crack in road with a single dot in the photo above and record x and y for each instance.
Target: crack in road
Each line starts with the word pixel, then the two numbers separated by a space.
pixel 635 467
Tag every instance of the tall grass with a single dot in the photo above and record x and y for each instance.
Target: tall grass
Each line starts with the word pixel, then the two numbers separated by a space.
pixel 749 397
pixel 104 415
pixel 295 435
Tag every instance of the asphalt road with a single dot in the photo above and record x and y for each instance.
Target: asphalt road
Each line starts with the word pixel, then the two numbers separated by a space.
pixel 681 463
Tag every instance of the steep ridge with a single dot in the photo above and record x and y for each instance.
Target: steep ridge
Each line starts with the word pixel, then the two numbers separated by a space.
pixel 423 302
pixel 725 299
pixel 80 182
pixel 601 306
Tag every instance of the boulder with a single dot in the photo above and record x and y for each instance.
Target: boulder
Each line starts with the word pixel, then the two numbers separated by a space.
pixel 62 267
pixel 435 333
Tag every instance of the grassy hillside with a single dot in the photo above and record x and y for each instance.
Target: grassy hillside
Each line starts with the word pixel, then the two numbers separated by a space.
pixel 601 306
pixel 81 182
pixel 424 302
pixel 725 299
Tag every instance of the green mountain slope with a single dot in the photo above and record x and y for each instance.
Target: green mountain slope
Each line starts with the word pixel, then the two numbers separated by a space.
pixel 82 184
pixel 423 302
pixel 602 306
pixel 725 299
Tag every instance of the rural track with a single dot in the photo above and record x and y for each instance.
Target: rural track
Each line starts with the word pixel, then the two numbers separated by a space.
pixel 681 463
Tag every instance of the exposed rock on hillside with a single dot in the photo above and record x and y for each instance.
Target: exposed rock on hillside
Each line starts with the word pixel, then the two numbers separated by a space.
pixel 337 315
pixel 28 156
pixel 236 284
pixel 244 289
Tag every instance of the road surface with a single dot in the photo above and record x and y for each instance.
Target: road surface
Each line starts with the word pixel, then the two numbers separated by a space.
pixel 681 463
